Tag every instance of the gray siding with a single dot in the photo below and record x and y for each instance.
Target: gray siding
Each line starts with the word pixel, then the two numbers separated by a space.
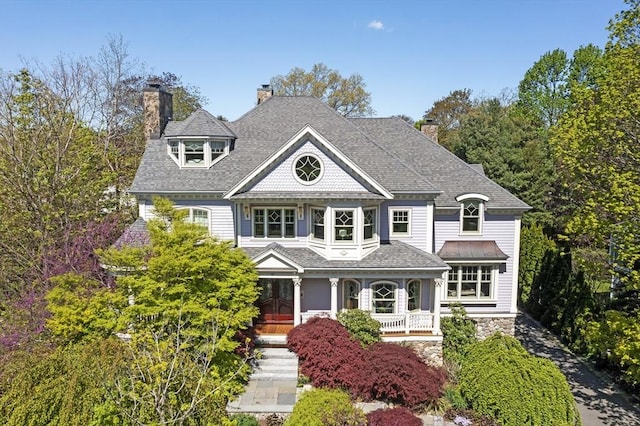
pixel 334 178
pixel 498 228
pixel 418 222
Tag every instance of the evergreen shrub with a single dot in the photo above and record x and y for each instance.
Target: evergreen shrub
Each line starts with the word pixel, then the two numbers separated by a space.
pixel 398 416
pixel 500 379
pixel 242 419
pixel 458 332
pixel 360 325
pixel 327 353
pixel 325 407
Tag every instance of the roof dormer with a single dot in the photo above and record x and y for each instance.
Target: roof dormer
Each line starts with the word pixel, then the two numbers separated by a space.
pixel 199 141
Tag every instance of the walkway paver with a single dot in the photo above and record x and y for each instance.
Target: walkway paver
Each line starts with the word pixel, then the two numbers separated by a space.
pixel 599 401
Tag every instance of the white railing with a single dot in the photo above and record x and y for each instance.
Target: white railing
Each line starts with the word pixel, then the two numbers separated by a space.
pixel 405 323
pixel 390 323
pixel 306 316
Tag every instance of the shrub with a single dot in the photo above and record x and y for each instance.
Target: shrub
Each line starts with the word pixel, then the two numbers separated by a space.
pixel 500 379
pixel 327 354
pixel 325 407
pixel 396 374
pixel 244 420
pixel 398 416
pixel 459 332
pixel 360 326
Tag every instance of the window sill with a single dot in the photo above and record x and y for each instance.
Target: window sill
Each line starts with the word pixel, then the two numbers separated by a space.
pixel 491 302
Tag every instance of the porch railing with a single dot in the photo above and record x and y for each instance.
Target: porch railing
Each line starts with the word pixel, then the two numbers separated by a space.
pixel 390 323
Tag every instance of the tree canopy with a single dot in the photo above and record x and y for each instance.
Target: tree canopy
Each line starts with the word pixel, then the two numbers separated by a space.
pixel 346 95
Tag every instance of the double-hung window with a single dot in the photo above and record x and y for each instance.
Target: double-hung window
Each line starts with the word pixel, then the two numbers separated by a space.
pixel 413 295
pixel 470 282
pixel 274 223
pixel 400 222
pixel 198 216
pixel 343 226
pixel 317 218
pixel 471 216
pixel 369 224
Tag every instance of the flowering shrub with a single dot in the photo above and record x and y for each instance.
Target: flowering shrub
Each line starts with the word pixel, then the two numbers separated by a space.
pixel 398 416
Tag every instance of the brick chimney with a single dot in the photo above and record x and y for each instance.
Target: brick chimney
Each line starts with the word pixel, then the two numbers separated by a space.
pixel 430 128
pixel 158 109
pixel 264 93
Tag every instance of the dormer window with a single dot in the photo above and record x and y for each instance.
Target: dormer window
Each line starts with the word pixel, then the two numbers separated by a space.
pixel 471 213
pixel 197 152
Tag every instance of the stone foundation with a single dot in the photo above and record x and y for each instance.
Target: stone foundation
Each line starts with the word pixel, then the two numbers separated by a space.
pixel 429 351
pixel 487 326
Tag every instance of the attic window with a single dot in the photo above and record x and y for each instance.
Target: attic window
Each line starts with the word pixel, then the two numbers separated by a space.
pixel 308 169
pixel 197 152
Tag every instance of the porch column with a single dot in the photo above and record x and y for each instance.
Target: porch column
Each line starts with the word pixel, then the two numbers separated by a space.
pixel 297 283
pixel 436 305
pixel 334 297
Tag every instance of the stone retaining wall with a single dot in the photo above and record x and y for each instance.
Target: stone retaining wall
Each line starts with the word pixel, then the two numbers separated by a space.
pixel 487 326
pixel 430 352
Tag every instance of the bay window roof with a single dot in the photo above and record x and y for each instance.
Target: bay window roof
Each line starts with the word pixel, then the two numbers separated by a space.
pixel 200 123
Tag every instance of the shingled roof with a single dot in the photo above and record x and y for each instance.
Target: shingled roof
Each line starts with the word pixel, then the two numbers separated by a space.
pixel 390 151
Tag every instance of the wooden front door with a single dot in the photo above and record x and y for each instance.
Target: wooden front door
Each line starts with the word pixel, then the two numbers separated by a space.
pixel 276 301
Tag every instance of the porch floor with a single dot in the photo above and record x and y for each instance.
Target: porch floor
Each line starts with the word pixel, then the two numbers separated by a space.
pixel 271 329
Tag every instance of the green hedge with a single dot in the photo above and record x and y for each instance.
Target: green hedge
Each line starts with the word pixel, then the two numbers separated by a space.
pixel 501 379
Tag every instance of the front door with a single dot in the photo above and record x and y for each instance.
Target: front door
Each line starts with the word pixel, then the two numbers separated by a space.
pixel 276 301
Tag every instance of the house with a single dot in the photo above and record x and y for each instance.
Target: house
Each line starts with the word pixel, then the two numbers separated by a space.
pixel 340 213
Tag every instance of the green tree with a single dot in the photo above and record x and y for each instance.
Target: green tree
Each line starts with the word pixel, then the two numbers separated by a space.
pixel 180 302
pixel 534 245
pixel 448 112
pixel 346 95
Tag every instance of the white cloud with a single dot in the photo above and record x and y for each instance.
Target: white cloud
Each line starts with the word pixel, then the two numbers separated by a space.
pixel 376 25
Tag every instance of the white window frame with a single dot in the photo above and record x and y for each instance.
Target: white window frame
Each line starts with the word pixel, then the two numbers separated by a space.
pixel 456 272
pixel 190 216
pixel 312 223
pixel 345 297
pixel 177 152
pixel 334 226
pixel 374 224
pixel 418 295
pixel 392 221
pixel 283 222
pixel 320 172
pixel 374 299
pixel 480 201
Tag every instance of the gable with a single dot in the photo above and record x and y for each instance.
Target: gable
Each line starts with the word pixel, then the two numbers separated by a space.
pixel 309 139
pixel 333 177
pixel 272 261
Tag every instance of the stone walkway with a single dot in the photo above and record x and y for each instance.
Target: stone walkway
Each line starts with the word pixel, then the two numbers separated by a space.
pixel 599 401
pixel 266 397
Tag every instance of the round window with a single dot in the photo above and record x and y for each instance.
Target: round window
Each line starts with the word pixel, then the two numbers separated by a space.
pixel 308 168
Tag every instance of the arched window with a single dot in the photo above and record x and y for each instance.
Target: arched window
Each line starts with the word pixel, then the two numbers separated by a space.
pixel 414 288
pixel 384 297
pixel 350 294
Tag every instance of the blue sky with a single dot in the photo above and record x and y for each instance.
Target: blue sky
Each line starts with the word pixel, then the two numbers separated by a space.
pixel 410 53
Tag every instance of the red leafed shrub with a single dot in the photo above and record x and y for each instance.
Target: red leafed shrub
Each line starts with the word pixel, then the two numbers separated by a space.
pixel 396 374
pixel 398 416
pixel 327 354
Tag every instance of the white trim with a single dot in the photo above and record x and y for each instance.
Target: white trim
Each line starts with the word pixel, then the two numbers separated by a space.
pixel 515 265
pixel 294 170
pixel 396 301
pixel 207 152
pixel 406 290
pixel 477 299
pixel 299 269
pixel 430 226
pixel 481 208
pixel 359 284
pixel 400 209
pixel 354 226
pixel 282 236
pixel 292 141
pixel 472 196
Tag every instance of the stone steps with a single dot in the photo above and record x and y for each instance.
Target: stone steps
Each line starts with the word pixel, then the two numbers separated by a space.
pixel 276 364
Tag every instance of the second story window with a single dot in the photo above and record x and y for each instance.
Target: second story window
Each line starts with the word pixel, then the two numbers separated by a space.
pixel 471 216
pixel 369 224
pixel 274 223
pixel 317 216
pixel 198 216
pixel 343 225
pixel 400 222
